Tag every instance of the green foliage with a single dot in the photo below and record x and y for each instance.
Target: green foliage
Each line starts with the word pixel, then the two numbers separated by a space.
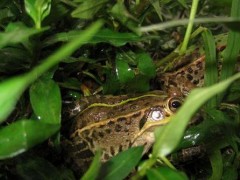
pixel 38 10
pixel 93 170
pixel 61 56
pixel 165 173
pixel 87 9
pixel 17 33
pixel 211 72
pixel 121 165
pixel 24 136
pixel 46 101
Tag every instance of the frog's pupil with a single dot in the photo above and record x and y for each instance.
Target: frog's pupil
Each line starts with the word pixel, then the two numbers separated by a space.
pixel 176 104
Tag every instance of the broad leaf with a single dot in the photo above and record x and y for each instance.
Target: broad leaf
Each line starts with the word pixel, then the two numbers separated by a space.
pixel 46 100
pixel 38 10
pixel 27 133
pixel 121 165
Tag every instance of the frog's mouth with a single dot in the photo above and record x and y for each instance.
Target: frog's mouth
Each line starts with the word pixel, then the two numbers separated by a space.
pixel 150 126
pixel 145 136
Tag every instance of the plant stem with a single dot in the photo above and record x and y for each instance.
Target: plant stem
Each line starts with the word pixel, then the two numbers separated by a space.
pixel 189 27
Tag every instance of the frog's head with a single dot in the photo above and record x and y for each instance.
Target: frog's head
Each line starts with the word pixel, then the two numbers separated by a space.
pixel 158 115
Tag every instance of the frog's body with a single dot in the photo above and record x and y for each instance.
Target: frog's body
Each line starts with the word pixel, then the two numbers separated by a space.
pixel 117 126
pixel 184 79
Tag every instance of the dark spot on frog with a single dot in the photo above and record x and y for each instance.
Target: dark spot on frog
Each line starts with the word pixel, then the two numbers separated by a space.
pixel 196 72
pixel 121 119
pixel 118 128
pixel 199 65
pixel 195 82
pixel 108 131
pixel 80 146
pixel 106 156
pixel 182 73
pixel 112 151
pixel 190 70
pixel 111 123
pixel 172 83
pixel 189 77
pixel 120 148
pixel 101 134
pixel 142 122
pixel 202 77
pixel 136 114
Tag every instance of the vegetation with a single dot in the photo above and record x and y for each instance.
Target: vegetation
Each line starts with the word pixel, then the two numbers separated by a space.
pixel 55 51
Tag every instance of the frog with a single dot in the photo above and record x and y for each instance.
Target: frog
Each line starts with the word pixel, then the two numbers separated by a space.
pixel 113 124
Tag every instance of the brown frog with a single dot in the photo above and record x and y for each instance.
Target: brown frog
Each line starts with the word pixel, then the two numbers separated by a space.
pixel 116 124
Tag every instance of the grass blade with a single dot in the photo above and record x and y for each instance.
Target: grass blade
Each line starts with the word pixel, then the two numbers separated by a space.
pixel 211 72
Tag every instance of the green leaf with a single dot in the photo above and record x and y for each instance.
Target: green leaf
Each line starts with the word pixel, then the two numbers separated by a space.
pixel 104 35
pixel 17 33
pixel 146 65
pixel 232 50
pixel 45 98
pixel 93 170
pixel 88 9
pixel 119 11
pixel 156 5
pixel 170 135
pixel 211 71
pixel 121 165
pixel 112 85
pixel 139 84
pixel 164 173
pixel 38 10
pixel 217 165
pixel 11 89
pixel 27 133
pixel 123 71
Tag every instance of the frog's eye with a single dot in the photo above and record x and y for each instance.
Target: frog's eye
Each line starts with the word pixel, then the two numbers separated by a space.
pixel 174 104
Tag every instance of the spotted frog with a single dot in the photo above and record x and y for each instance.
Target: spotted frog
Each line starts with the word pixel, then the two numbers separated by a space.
pixel 113 124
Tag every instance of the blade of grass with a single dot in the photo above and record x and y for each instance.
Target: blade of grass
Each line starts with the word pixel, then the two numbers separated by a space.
pixel 174 23
pixel 217 165
pixel 211 72
pixel 11 89
pixel 93 170
pixel 232 50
